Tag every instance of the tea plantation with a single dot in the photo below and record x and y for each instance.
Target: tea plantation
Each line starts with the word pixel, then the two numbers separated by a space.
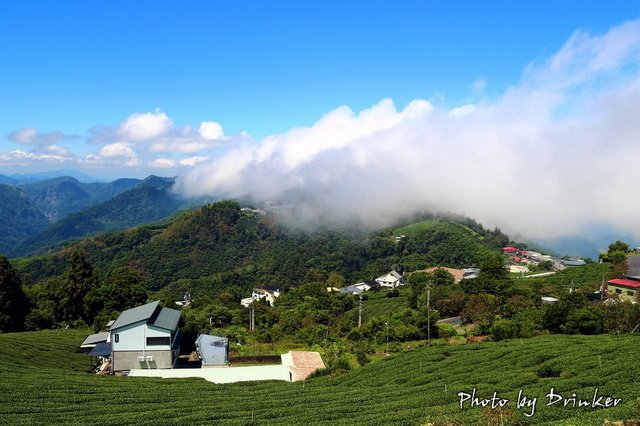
pixel 43 381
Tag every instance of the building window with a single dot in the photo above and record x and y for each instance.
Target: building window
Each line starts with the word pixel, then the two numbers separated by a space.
pixel 618 291
pixel 630 292
pixel 116 337
pixel 158 341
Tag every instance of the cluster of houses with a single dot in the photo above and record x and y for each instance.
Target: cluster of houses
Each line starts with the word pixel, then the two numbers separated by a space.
pixel 147 338
pixel 520 260
pixel 390 280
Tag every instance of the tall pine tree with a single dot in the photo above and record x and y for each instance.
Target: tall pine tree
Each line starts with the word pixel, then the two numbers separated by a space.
pixel 77 281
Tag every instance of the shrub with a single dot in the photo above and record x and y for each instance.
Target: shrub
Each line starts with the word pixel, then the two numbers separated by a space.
pixel 504 329
pixel 446 330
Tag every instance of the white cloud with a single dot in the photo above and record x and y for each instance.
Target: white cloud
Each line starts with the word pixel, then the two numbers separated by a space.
pixel 54 149
pixel 178 145
pixel 192 161
pixel 145 140
pixel 144 126
pixel 19 154
pixel 210 130
pixel 552 155
pixel 134 163
pixel 31 136
pixel 462 111
pixel 118 149
pixel 162 163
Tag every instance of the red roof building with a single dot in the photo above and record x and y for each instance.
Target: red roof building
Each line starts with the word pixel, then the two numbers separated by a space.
pixel 624 283
pixel 623 289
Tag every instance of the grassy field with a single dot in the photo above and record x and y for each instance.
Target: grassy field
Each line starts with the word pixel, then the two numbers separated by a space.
pixel 42 381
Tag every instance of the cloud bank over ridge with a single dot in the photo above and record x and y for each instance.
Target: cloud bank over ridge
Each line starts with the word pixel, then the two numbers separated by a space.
pixel 550 156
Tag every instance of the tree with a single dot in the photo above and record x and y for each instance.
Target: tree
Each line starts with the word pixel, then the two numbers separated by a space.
pixel 619 261
pixel 14 304
pixel 76 282
pixel 335 280
pixel 481 307
pixel 493 278
pixel 588 320
pixel 122 289
pixel 546 265
pixel 451 304
pixel 441 277
pixel 619 246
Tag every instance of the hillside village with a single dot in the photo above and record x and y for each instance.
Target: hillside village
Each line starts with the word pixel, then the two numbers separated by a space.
pixel 146 340
pixel 363 301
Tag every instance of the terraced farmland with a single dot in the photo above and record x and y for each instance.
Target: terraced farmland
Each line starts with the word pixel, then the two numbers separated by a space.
pixel 42 382
pixel 384 307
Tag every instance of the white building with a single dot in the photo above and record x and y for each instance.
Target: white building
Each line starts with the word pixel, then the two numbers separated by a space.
pixel 392 279
pixel 268 293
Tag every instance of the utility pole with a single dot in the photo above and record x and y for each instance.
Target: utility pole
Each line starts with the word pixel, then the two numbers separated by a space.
pixel 387 324
pixel 252 317
pixel 360 313
pixel 429 314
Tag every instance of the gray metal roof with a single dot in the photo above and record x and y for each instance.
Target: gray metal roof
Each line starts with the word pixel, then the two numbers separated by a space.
pixel 96 338
pixel 167 318
pixel 152 314
pixel 134 315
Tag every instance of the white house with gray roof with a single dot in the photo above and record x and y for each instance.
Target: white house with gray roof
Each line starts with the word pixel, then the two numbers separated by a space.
pixel 145 337
pixel 393 279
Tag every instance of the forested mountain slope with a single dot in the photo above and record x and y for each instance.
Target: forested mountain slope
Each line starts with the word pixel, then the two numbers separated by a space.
pixel 19 217
pixel 218 245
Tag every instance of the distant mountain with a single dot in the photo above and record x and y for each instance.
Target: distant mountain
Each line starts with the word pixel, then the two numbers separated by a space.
pixel 591 242
pixel 61 196
pixel 35 177
pixel 148 201
pixel 19 217
pixel 6 180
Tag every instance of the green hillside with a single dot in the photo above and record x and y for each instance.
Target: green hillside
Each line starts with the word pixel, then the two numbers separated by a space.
pixel 43 382
pixel 218 246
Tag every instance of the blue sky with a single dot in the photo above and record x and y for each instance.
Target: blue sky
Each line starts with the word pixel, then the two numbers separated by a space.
pixel 426 105
pixel 266 67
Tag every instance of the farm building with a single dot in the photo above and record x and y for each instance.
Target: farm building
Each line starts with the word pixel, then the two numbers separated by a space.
pixel 624 289
pixel 212 350
pixel 145 337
